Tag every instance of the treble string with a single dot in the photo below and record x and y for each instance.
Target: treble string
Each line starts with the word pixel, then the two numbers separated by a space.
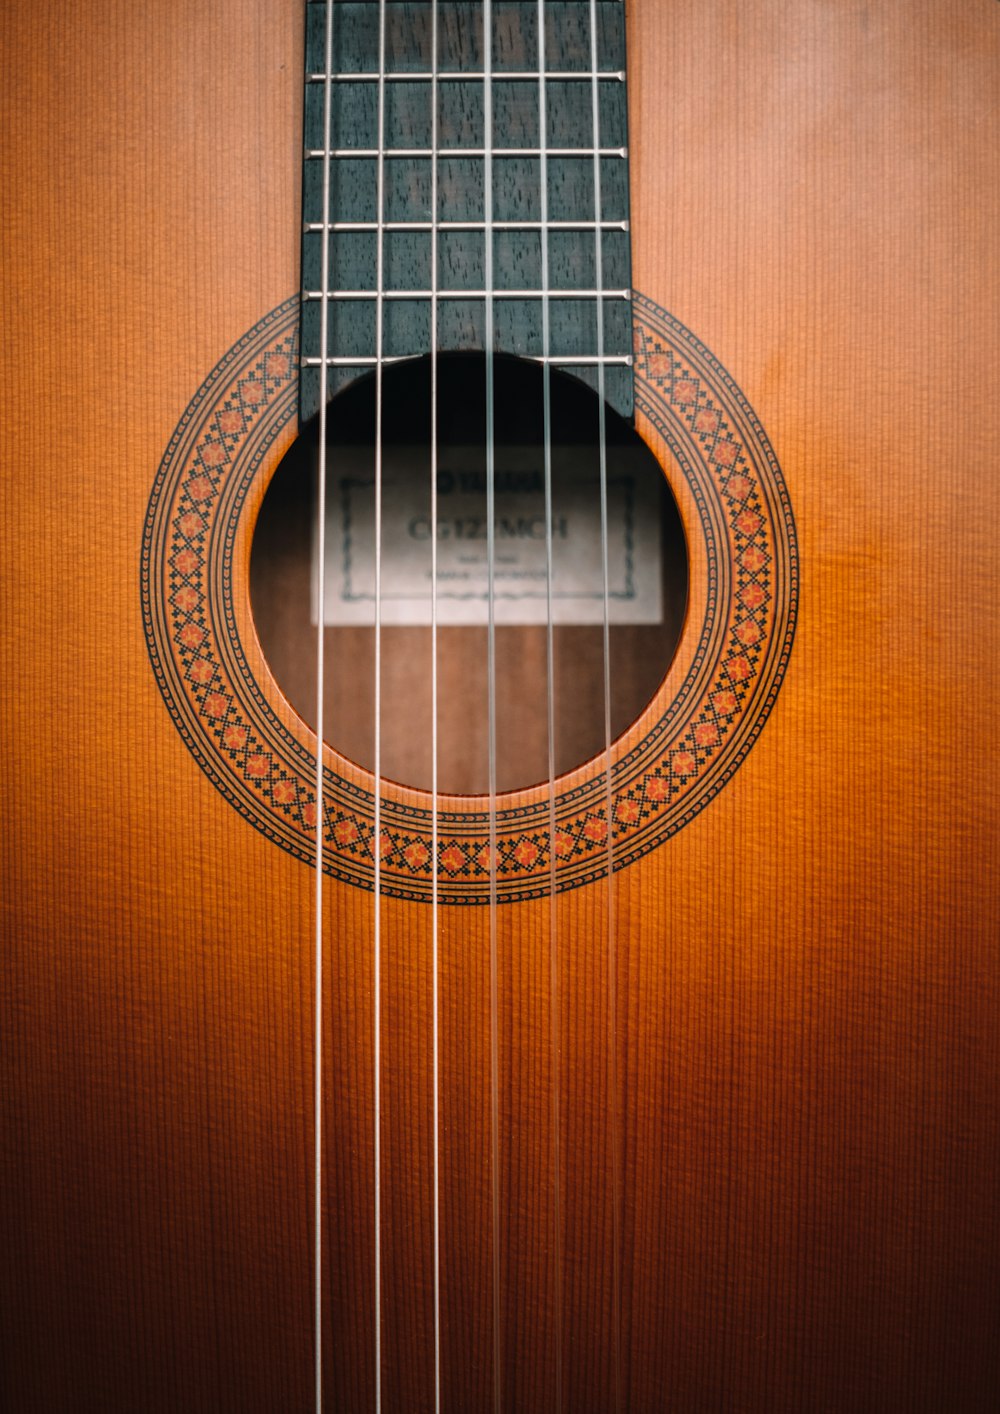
pixel 551 717
pixel 324 339
pixel 491 688
pixel 377 820
pixel 608 790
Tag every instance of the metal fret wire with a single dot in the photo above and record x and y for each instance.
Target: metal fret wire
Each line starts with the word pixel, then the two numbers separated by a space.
pixel 554 1039
pixel 491 713
pixel 470 294
pixel 612 958
pixel 464 75
pixel 558 360
pixel 317 153
pixel 337 226
pixel 377 850
pixel 320 684
pixel 435 939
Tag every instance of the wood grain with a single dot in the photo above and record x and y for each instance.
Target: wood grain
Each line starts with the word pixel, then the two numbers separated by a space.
pixel 806 1024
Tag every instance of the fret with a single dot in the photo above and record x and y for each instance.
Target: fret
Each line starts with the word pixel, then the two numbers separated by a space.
pixel 461 324
pixel 557 360
pixel 339 226
pixel 494 293
pixel 408 36
pixel 474 232
pixel 317 154
pixel 461 114
pixel 521 75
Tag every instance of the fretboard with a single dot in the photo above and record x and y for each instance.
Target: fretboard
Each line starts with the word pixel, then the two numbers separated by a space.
pixel 530 232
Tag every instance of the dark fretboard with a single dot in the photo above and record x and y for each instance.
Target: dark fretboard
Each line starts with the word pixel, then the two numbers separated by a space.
pixel 501 193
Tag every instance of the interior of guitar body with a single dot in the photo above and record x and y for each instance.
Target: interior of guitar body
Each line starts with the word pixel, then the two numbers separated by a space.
pixel 586 536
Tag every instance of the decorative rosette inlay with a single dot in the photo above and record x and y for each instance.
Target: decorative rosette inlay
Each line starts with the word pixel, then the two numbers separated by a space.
pixel 694 736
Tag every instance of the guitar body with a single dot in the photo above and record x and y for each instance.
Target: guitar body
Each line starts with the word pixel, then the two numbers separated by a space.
pixel 775 1188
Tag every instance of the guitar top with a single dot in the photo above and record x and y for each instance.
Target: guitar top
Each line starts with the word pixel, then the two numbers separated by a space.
pixel 697 1114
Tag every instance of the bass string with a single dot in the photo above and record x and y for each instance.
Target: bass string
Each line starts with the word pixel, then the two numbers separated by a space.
pixel 612 960
pixel 320 705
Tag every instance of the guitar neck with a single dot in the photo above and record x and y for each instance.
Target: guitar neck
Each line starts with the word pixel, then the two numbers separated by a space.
pixel 470 193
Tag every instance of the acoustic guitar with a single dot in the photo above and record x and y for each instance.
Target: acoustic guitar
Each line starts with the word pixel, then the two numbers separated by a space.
pixel 499 550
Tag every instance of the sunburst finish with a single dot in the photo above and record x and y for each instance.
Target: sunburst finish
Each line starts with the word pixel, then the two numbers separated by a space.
pixel 805 1060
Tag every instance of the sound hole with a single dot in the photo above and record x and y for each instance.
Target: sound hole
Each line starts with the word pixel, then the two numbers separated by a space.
pixel 647 575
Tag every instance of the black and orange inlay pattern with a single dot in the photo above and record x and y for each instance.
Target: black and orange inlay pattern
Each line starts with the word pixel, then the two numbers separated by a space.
pixel 696 740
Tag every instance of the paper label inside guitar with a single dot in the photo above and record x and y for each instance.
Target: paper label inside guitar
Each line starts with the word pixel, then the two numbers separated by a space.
pixel 520 571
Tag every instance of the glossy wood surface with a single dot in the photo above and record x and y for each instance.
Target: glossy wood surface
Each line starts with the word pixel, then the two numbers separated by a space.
pixel 808 1033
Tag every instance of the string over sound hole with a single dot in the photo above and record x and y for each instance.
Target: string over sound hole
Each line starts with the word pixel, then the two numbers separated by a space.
pixel 548 561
